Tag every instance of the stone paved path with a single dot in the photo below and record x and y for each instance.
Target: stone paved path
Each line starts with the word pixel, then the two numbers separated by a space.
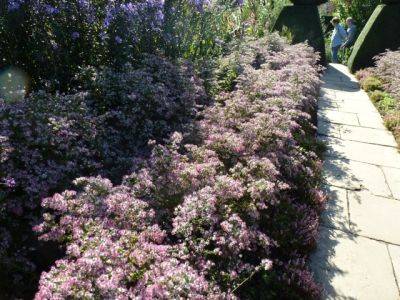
pixel 358 255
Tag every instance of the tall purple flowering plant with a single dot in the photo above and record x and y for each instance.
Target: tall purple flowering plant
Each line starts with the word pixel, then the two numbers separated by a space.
pixel 51 39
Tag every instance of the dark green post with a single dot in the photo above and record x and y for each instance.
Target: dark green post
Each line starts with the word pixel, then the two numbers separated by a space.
pixel 381 32
pixel 3 7
pixel 303 22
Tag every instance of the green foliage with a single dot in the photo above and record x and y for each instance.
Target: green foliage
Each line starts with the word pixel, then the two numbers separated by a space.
pixel 226 75
pixel 344 55
pixel 328 49
pixel 303 23
pixel 359 10
pixel 377 96
pixel 327 26
pixel 371 83
pixel 287 33
pixel 260 15
pixel 388 106
pixel 43 46
pixel 382 100
pixel 387 103
pixel 380 33
pixel 197 34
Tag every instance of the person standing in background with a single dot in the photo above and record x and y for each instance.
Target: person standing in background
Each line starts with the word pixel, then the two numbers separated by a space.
pixel 351 33
pixel 339 36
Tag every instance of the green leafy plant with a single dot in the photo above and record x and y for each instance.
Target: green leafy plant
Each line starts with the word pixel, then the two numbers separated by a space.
pixel 377 96
pixel 359 10
pixel 387 103
pixel 371 83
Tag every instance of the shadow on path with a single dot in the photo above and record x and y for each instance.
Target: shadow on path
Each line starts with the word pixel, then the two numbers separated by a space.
pixel 335 225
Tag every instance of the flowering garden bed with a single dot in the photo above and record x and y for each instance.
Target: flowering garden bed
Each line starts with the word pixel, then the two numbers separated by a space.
pixel 382 82
pixel 128 175
pixel 234 214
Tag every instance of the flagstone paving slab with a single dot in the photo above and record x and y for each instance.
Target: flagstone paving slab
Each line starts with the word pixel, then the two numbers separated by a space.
pixel 354 96
pixel 336 78
pixel 367 135
pixel 359 107
pixel 374 217
pixel 368 153
pixel 354 175
pixel 393 179
pixel 334 116
pixel 372 120
pixel 341 85
pixel 349 106
pixel 336 214
pixel 357 133
pixel 329 129
pixel 326 103
pixel 394 252
pixel 327 92
pixel 353 267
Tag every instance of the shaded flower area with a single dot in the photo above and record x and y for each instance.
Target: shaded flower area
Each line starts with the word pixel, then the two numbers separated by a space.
pixel 225 209
pixel 48 140
pixel 52 39
pixel 60 36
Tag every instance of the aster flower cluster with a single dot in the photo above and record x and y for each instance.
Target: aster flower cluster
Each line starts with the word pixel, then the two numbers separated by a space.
pixel 227 209
pixel 48 140
pixel 133 28
pixel 387 68
pixel 15 4
pixel 118 250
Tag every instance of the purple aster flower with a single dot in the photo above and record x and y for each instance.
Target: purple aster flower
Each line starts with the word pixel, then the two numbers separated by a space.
pixel 15 4
pixel 75 35
pixel 10 182
pixel 54 44
pixel 118 39
pixel 51 10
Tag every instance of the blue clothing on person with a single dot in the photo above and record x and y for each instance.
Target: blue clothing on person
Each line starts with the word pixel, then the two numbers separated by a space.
pixel 339 35
pixel 351 36
pixel 335 54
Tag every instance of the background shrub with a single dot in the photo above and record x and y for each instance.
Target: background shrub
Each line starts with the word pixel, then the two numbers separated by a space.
pixel 359 10
pixel 49 40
